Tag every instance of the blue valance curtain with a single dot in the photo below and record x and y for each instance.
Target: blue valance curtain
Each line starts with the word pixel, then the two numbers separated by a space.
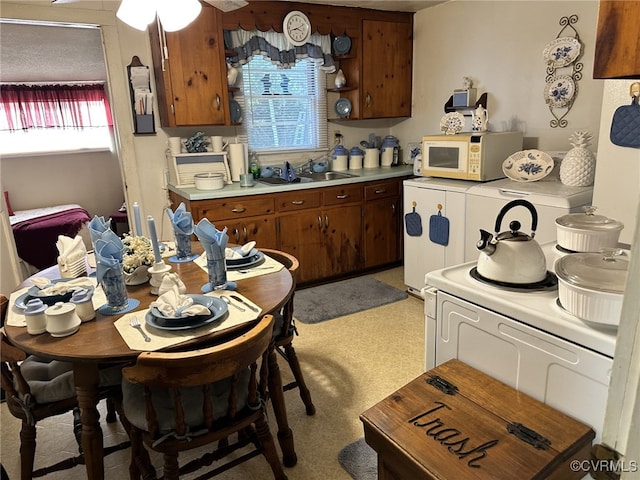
pixel 275 47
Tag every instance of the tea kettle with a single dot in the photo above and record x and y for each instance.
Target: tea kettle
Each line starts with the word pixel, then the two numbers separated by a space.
pixel 512 256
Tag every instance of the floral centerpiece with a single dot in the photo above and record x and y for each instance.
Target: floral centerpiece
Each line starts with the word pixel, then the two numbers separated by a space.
pixel 138 257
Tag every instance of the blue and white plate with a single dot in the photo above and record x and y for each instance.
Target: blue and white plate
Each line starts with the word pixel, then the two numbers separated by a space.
pixel 235 112
pixel 528 166
pixel 562 51
pixel 342 45
pixel 36 292
pixel 559 91
pixel 249 261
pixel 343 107
pixel 217 307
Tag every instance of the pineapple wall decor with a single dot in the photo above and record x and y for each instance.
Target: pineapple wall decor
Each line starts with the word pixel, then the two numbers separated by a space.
pixel 578 168
pixel 563 71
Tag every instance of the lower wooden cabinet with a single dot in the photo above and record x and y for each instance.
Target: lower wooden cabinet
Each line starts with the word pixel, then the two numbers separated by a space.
pixel 332 231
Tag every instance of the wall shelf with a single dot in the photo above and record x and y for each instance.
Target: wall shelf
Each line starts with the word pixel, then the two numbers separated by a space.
pixel 448 107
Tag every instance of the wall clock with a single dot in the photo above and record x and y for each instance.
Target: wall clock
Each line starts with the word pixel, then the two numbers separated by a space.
pixel 297 28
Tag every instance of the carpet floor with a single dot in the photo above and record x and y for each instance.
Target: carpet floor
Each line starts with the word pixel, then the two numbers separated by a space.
pixel 334 300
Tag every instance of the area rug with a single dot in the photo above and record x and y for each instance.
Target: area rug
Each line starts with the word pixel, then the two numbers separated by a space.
pixel 359 460
pixel 324 302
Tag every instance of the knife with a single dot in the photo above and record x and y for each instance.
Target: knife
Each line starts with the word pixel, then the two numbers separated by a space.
pixel 238 299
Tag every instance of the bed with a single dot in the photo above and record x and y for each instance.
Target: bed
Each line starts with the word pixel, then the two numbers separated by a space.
pixel 36 231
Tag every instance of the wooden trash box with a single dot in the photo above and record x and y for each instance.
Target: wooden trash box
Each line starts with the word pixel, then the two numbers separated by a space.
pixel 455 423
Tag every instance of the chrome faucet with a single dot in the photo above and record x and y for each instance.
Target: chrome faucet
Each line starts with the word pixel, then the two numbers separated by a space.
pixel 306 167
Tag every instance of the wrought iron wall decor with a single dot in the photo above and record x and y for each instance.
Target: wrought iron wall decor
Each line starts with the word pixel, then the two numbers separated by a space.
pixel 563 71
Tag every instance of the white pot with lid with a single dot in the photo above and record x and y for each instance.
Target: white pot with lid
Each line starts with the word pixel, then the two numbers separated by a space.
pixel 591 285
pixel 587 232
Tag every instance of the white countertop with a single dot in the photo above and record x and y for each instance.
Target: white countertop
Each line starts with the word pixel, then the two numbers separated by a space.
pixel 235 190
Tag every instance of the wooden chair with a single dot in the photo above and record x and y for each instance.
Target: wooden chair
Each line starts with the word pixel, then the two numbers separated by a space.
pixel 285 329
pixel 36 389
pixel 179 401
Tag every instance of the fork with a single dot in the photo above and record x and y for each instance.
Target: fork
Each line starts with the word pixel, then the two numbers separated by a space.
pixel 135 323
pixel 254 268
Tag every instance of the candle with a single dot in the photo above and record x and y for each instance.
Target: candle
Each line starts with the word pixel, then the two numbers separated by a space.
pixel 136 219
pixel 154 239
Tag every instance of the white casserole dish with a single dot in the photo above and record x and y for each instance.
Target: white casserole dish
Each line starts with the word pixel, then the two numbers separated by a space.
pixel 587 232
pixel 591 285
pixel 209 181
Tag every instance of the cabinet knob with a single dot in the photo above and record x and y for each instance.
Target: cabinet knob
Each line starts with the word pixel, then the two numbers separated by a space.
pixel 382 190
pixel 326 221
pixel 297 202
pixel 238 210
pixel 342 197
pixel 319 222
pixel 368 100
pixel 218 103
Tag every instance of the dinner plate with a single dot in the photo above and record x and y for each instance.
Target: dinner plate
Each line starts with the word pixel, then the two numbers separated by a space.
pixel 559 91
pixel 21 301
pixel 218 309
pixel 34 291
pixel 342 45
pixel 251 261
pixel 245 259
pixel 177 321
pixel 528 166
pixel 343 107
pixel 562 51
pixel 235 112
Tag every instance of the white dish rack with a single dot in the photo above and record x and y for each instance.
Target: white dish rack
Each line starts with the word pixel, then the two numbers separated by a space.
pixel 183 167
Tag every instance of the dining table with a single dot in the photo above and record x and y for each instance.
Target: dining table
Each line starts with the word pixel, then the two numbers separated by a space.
pixel 98 343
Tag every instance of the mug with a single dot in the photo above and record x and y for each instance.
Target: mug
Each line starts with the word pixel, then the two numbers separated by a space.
pixel 217 144
pixel 175 145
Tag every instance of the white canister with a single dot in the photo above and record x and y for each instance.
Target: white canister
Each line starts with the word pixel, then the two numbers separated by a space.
pixel 217 144
pixel 355 158
pixel 175 145
pixel 339 163
pixel 35 317
pixel 81 298
pixel 237 160
pixel 62 319
pixel 371 158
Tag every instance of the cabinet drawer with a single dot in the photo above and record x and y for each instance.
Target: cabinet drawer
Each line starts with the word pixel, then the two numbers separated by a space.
pixel 298 200
pixel 382 189
pixel 342 194
pixel 239 207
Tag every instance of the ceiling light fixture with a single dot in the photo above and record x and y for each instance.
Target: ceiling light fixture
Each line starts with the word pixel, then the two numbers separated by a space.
pixel 173 14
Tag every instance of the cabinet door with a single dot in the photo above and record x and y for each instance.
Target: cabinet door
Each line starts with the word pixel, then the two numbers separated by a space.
pixel 386 69
pixel 342 228
pixel 301 235
pixel 617 52
pixel 262 230
pixel 381 238
pixel 196 93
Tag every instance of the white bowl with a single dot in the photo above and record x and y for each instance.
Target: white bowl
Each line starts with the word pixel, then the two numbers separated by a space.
pixel 209 181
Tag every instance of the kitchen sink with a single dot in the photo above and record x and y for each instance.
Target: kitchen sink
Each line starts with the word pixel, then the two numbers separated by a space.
pixel 307 177
pixel 320 176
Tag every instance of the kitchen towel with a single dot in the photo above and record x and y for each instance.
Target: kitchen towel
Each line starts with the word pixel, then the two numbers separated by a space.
pixel 625 126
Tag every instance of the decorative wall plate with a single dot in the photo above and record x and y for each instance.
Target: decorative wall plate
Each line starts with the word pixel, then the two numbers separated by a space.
pixel 343 107
pixel 342 45
pixel 559 91
pixel 562 51
pixel 235 112
pixel 528 166
pixel 452 123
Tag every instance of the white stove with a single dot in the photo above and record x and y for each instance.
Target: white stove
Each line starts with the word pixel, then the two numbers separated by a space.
pixel 523 338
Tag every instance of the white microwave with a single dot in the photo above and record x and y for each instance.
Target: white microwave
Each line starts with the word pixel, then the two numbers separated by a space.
pixel 468 156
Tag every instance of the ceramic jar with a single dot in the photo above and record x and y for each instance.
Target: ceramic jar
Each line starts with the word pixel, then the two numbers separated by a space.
pixel 355 158
pixel 389 151
pixel 35 317
pixel 371 158
pixel 62 319
pixel 81 298
pixel 339 159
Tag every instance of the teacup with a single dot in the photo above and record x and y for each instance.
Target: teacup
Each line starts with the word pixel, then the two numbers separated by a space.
pixel 320 167
pixel 266 172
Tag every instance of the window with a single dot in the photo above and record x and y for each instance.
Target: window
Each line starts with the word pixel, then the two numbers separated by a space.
pixel 49 118
pixel 285 109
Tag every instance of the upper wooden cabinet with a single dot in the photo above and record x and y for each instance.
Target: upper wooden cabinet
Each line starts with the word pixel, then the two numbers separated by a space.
pixel 617 53
pixel 387 56
pixel 190 72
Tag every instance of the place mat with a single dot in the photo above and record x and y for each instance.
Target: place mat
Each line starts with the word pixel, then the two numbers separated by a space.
pixel 268 266
pixel 15 316
pixel 166 338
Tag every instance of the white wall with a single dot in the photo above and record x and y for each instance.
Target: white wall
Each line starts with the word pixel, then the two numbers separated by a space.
pixel 617 186
pixel 499 44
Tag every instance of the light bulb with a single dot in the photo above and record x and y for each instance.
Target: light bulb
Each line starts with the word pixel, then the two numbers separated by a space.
pixel 177 14
pixel 136 13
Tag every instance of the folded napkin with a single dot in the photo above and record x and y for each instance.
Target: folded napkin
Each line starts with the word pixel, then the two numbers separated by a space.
pixel 97 226
pixel 109 252
pixel 169 281
pixel 243 251
pixel 181 220
pixel 70 249
pixel 48 288
pixel 172 304
pixel 213 240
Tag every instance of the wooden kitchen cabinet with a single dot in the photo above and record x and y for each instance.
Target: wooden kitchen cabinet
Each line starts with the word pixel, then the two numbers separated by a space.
pixel 382 227
pixel 617 52
pixel 190 72
pixel 387 58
